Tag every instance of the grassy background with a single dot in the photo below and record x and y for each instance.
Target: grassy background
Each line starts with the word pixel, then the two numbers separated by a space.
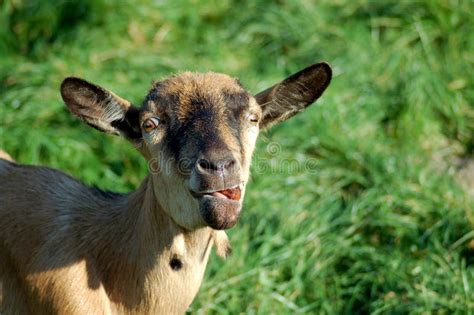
pixel 378 226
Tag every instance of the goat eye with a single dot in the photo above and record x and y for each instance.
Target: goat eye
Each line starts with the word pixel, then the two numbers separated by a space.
pixel 253 118
pixel 150 124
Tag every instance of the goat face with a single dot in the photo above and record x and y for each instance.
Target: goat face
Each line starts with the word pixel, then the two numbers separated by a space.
pixel 198 132
pixel 201 129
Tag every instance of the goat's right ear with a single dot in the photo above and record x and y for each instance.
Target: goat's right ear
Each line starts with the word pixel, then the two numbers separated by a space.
pixel 294 94
pixel 101 108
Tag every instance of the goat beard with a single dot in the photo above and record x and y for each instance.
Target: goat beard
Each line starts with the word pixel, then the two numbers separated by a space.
pixel 220 213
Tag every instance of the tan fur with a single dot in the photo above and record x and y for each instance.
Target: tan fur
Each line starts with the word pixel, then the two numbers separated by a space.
pixel 210 86
pixel 135 237
pixel 70 249
pixel 114 260
pixel 187 85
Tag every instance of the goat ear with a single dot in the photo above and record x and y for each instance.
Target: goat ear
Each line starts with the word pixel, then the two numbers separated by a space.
pixel 294 94
pixel 101 108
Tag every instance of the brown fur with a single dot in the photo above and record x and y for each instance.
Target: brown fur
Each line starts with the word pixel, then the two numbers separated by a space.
pixel 124 242
pixel 66 248
pixel 210 87
pixel 187 85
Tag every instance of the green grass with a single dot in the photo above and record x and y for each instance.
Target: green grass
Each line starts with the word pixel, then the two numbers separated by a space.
pixel 379 225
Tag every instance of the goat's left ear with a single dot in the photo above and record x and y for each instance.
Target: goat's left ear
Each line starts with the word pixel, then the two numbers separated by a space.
pixel 100 108
pixel 294 94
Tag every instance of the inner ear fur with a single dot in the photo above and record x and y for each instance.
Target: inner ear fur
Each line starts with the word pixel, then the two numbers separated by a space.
pixel 100 108
pixel 294 94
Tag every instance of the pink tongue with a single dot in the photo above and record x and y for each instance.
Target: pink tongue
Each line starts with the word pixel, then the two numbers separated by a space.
pixel 233 194
pixel 218 195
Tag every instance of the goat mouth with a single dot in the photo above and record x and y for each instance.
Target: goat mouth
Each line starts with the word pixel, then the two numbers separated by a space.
pixel 232 193
pixel 229 193
pixel 220 209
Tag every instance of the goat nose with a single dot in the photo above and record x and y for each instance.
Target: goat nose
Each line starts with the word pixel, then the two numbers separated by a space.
pixel 205 165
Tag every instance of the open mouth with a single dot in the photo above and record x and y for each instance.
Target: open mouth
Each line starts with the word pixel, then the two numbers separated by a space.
pixel 230 193
pixel 220 209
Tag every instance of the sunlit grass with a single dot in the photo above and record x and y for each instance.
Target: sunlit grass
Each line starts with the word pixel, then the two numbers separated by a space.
pixel 379 225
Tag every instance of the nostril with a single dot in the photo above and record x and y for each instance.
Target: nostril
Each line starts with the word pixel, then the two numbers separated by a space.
pixel 202 164
pixel 206 165
pixel 228 164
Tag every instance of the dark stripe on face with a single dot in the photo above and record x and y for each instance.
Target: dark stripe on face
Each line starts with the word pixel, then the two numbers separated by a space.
pixel 197 133
pixel 201 122
pixel 237 103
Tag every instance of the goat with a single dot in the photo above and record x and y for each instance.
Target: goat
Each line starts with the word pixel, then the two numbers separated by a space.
pixel 66 248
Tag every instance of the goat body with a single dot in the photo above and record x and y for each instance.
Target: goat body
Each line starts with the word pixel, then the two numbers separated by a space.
pixel 78 250
pixel 66 248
